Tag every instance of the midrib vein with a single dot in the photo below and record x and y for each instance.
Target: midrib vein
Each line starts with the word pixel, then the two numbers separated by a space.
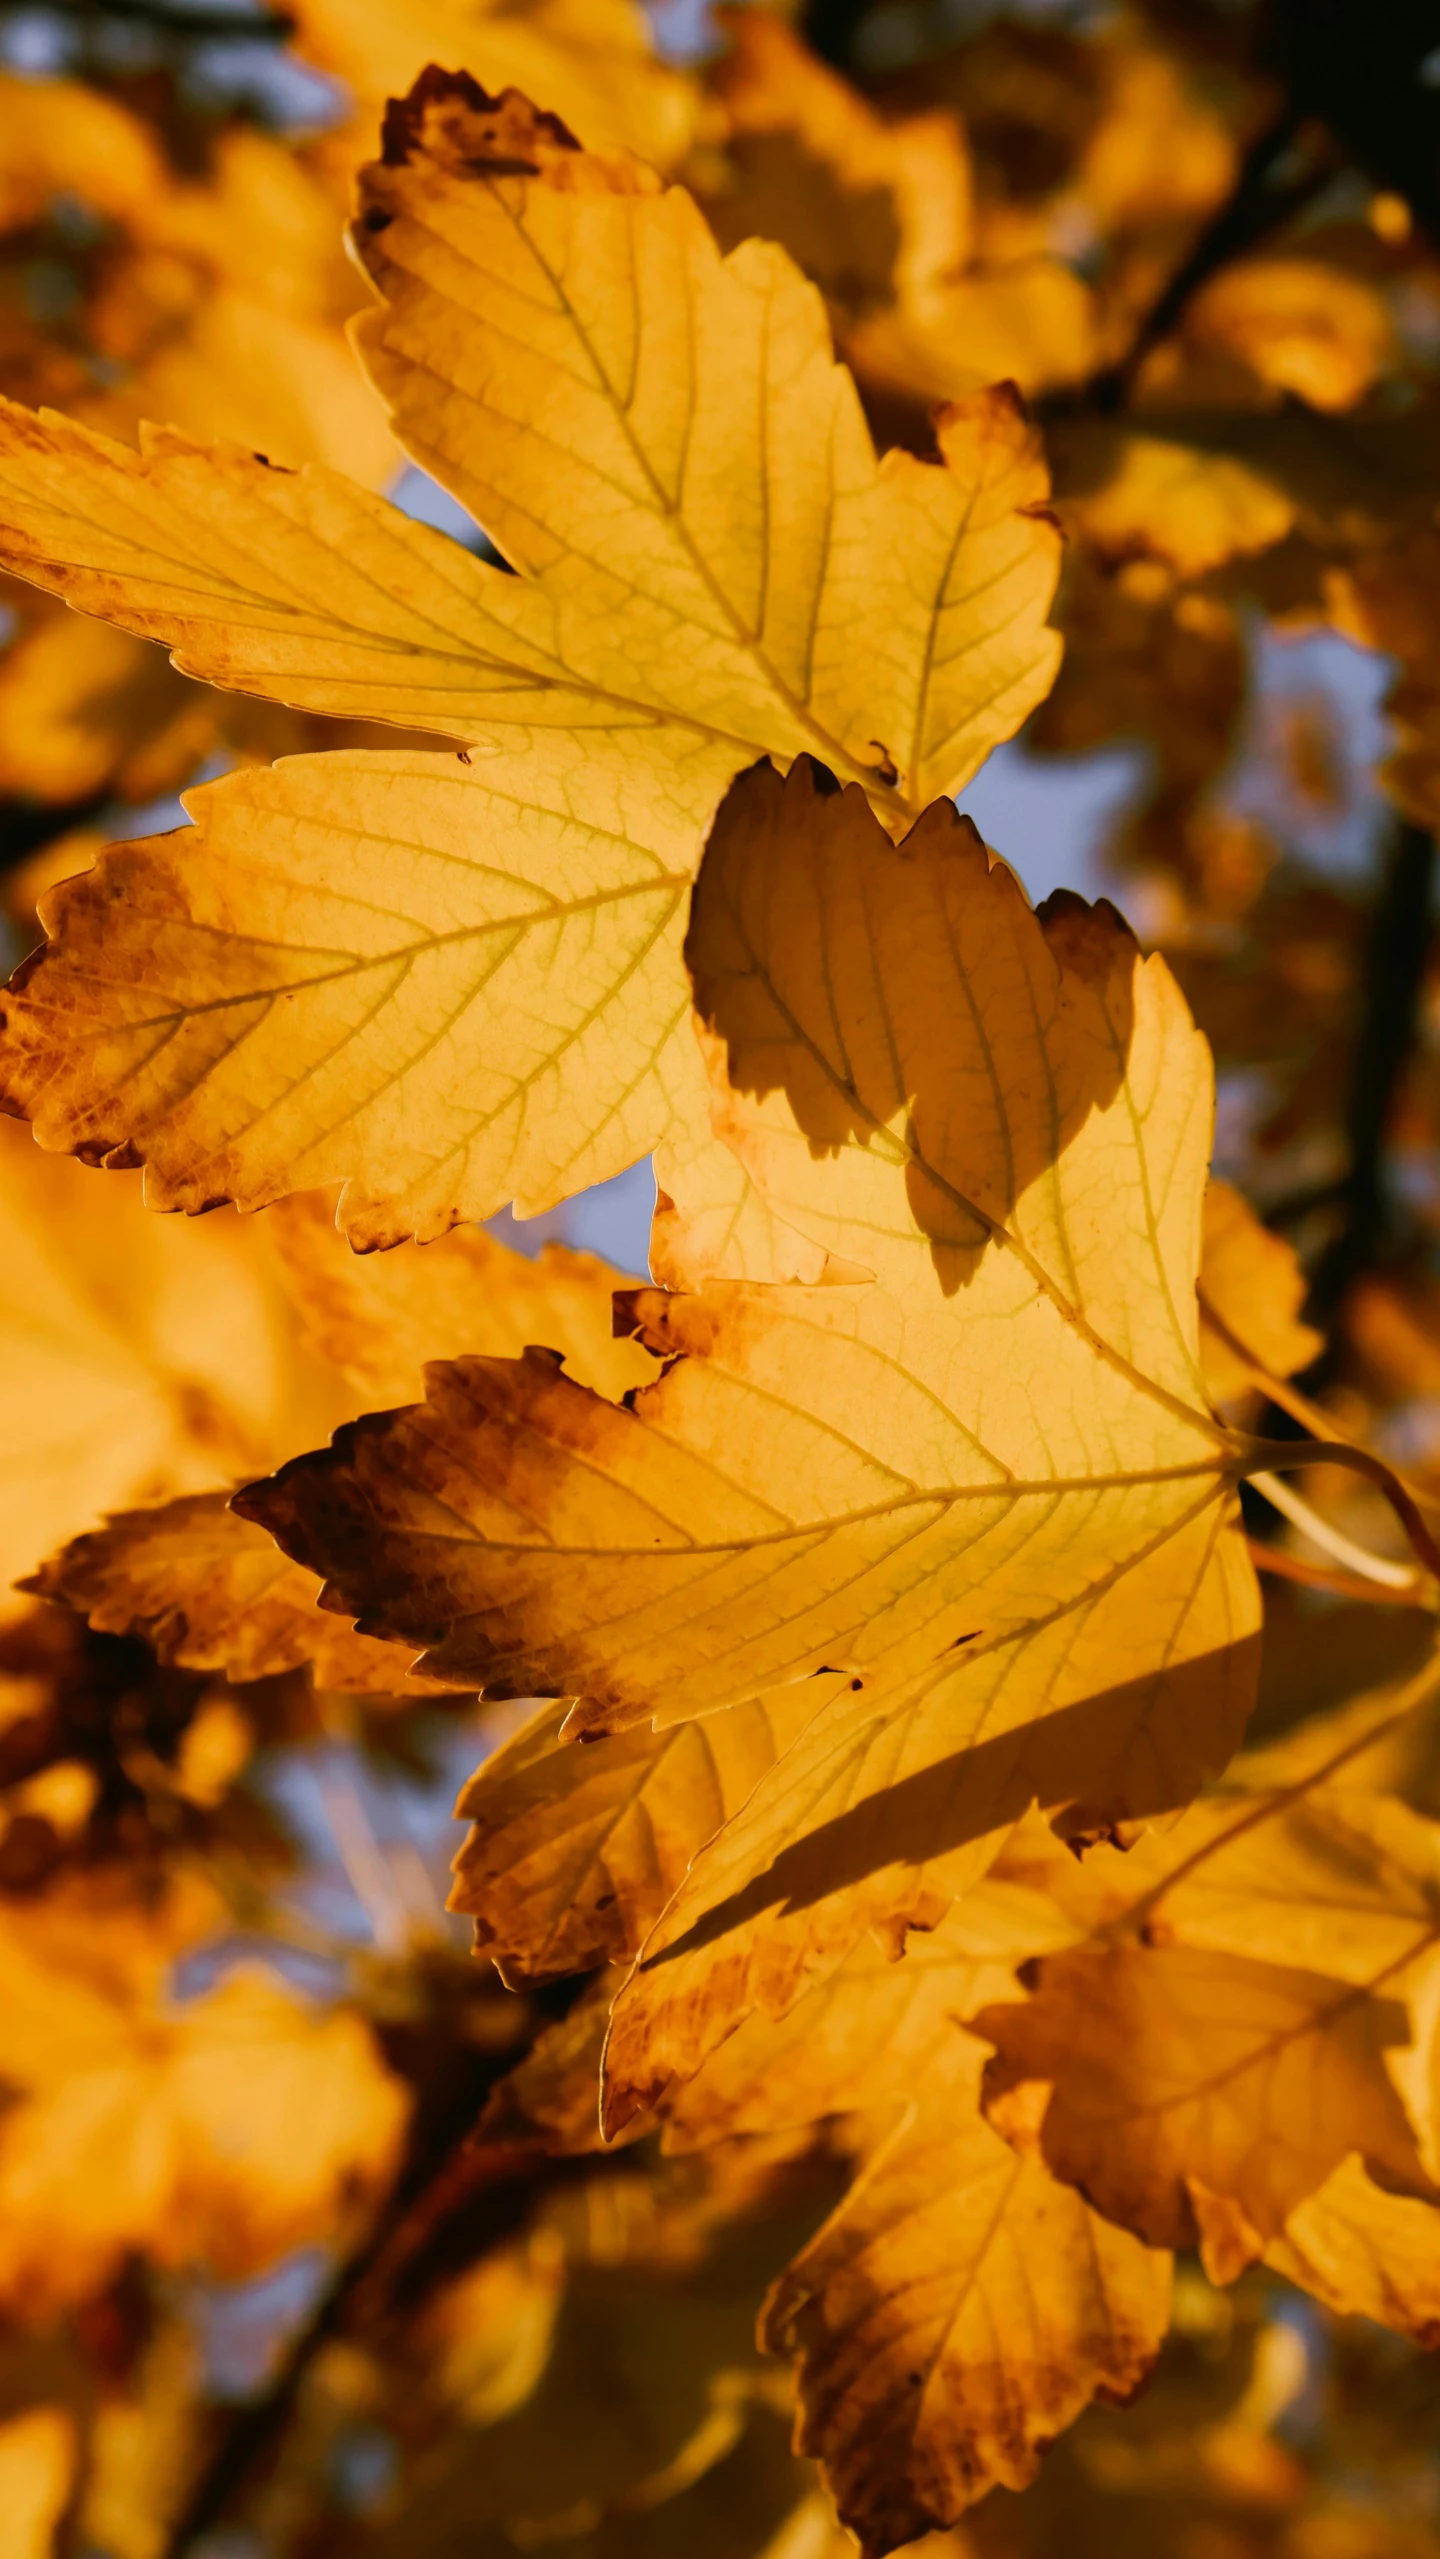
pixel 1004 1489
pixel 355 964
pixel 668 510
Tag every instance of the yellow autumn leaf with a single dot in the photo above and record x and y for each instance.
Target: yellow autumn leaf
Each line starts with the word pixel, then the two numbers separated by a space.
pixel 710 1221
pixel 1001 1524
pixel 876 209
pixel 958 1455
pixel 862 2038
pixel 210 1592
pixel 474 966
pixel 38 2457
pixel 573 1853
pixel 1129 496
pixel 593 61
pixel 720 527
pixel 204 1587
pixel 956 2311
pixel 882 1812
pixel 1365 2253
pixel 1032 322
pixel 379 1317
pixel 142 1358
pixel 287 2119
pixel 222 2131
pixel 1200 2097
pixel 84 708
pixel 62 136
pixel 753 1513
pixel 1251 1291
pixel 1298 324
pixel 1162 151
pixel 947 2252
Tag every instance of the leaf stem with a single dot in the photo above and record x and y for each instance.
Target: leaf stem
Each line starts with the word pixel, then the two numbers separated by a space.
pixel 1279 1561
pixel 1282 1456
pixel 1333 1541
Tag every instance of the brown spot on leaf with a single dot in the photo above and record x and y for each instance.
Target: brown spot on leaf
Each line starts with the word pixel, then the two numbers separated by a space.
pixel 448 115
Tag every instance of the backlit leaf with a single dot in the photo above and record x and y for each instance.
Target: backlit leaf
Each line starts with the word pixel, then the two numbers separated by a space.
pixel 573 1853
pixel 210 1592
pixel 37 2469
pixel 432 972
pixel 379 1317
pixel 1199 2097
pixel 1251 1291
pixel 223 2131
pixel 957 2310
pixel 141 1359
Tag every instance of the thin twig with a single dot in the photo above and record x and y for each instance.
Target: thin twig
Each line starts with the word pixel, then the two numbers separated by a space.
pixel 1272 1456
pixel 1283 1566
pixel 1333 1541
pixel 1399 946
pixel 1256 206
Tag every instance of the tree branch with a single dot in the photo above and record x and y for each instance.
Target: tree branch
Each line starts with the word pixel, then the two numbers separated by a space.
pixel 1394 983
pixel 1256 206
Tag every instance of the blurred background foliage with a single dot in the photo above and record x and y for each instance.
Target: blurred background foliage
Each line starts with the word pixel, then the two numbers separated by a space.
pixel 264 2294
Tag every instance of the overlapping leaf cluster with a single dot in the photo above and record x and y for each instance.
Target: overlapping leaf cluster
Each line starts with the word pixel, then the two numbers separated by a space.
pixel 895 1946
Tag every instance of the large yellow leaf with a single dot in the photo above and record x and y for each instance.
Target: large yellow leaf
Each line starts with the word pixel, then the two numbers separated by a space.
pixel 956 2311
pixel 999 1517
pixel 1013 2299
pixel 1197 2096
pixel 451 987
pixel 714 565
pixel 743 566
pixel 1007 1120
pixel 661 437
pixel 806 1481
pixel 879 1814
pixel 753 572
